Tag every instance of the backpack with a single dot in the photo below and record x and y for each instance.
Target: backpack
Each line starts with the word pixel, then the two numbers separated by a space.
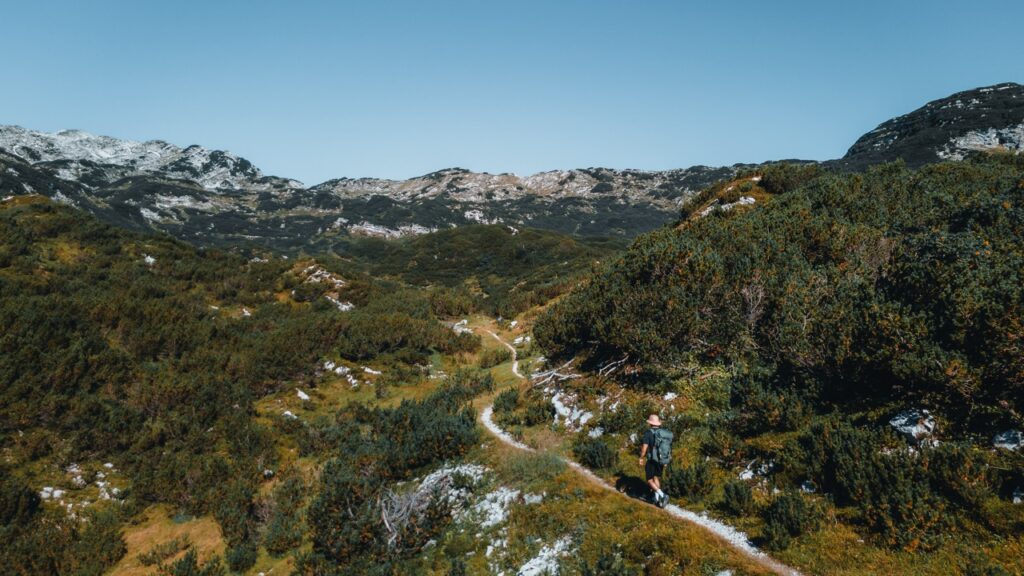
pixel 662 452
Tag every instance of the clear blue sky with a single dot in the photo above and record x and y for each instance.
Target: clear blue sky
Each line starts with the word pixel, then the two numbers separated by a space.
pixel 314 90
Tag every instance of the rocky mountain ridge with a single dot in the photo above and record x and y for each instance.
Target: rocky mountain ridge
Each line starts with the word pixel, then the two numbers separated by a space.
pixel 947 129
pixel 216 196
pixel 213 196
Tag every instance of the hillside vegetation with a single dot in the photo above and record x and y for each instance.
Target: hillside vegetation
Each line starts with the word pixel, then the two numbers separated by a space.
pixel 169 410
pixel 501 270
pixel 851 289
pixel 785 335
pixel 149 355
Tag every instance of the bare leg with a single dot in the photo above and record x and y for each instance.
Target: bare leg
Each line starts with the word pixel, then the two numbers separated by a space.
pixel 654 484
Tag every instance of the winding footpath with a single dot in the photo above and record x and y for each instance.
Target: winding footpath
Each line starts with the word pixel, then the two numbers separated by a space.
pixel 515 355
pixel 732 537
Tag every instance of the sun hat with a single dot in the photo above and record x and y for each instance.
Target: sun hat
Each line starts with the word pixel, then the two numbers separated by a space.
pixel 654 420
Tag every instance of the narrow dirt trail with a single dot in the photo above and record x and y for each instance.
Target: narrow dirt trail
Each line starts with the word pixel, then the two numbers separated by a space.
pixel 515 355
pixel 729 535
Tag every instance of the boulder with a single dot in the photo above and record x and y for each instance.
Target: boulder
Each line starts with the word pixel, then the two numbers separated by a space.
pixel 914 424
pixel 1010 440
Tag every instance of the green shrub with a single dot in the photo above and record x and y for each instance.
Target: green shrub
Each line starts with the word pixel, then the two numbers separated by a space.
pixel 18 502
pixel 241 557
pixel 608 563
pixel 900 506
pixel 961 474
pixel 783 177
pixel 594 453
pixel 738 498
pixel 457 568
pixel 893 488
pixel 692 482
pixel 285 528
pixel 160 552
pixel 789 516
pixel 538 411
pixel 494 356
pixel 507 401
pixel 188 565
pixel 97 545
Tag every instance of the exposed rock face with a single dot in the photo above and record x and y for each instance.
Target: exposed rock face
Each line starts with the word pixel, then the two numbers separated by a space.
pixel 1009 440
pixel 914 424
pixel 100 160
pixel 949 128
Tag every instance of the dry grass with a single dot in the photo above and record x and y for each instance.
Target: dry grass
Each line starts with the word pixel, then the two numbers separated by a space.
pixel 156 526
pixel 602 520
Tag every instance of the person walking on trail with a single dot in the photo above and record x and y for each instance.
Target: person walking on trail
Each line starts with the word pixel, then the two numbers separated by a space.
pixel 655 454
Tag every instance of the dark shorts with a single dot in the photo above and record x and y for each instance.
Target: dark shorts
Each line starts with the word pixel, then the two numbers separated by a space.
pixel 653 470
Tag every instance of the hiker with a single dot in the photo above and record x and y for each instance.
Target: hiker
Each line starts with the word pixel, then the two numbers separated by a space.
pixel 656 447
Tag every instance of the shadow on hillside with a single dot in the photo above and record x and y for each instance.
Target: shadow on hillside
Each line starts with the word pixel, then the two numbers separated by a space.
pixel 632 486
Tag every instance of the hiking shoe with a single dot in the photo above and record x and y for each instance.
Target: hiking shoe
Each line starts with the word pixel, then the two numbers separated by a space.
pixel 662 500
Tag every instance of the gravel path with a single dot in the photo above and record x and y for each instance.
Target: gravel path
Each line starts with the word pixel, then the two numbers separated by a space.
pixel 733 537
pixel 515 355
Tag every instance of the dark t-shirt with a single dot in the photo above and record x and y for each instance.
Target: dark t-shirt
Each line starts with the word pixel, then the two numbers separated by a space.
pixel 648 439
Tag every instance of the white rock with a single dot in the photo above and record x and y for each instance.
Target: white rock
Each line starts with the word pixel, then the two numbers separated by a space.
pixel 441 479
pixel 531 499
pixel 341 370
pixel 546 561
pixel 596 432
pixel 246 313
pixel 288 414
pixel 149 260
pixel 46 492
pixel 461 327
pixel 513 323
pixel 1010 440
pixel 914 424
pixel 493 508
pixel 369 370
pixel 754 469
pixel 1018 496
pixel 341 306
pixel 302 395
pixel 670 396
pixel 109 465
pixel 743 201
pixel 328 365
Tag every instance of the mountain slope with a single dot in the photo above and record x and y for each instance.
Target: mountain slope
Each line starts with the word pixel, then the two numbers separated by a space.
pixel 215 197
pixel 946 129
